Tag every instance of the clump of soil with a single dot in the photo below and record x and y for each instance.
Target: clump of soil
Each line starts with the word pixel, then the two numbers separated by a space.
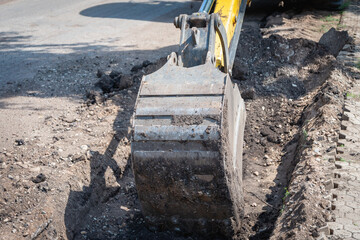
pixel 115 81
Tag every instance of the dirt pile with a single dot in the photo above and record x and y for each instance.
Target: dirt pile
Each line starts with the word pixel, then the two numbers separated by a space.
pixel 283 77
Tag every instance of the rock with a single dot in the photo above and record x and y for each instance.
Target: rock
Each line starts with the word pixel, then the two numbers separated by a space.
pixel 124 82
pixel 273 139
pixel 269 162
pixel 69 119
pixel 274 21
pixel 8 154
pixel 248 94
pixel 78 158
pixel 94 97
pixel 146 63
pixel 115 74
pixel 99 73
pixel 140 66
pixel 265 132
pixel 325 204
pixel 256 173
pixel 334 41
pixel 240 70
pixel 106 83
pixel 39 178
pixel 329 184
pixel 3 165
pixel 253 205
pixel 325 229
pixel 84 147
pixel 19 142
pixel 44 187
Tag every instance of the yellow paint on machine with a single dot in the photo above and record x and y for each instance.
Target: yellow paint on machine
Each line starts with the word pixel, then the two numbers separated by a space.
pixel 228 11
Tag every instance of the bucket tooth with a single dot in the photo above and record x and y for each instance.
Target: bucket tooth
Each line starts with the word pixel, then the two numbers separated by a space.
pixel 187 150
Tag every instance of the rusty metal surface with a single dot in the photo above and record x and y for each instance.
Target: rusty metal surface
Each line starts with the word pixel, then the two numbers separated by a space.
pixel 174 105
pixel 173 80
pixel 176 133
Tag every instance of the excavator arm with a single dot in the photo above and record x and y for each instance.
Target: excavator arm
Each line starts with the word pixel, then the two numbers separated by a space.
pixel 188 126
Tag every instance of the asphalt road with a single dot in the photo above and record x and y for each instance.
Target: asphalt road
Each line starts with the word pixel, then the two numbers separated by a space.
pixel 37 32
pixel 46 34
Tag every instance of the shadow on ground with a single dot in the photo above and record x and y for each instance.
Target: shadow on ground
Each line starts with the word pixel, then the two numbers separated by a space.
pixel 143 11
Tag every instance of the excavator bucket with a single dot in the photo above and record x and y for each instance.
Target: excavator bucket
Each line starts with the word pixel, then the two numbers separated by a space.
pixel 187 149
pixel 188 126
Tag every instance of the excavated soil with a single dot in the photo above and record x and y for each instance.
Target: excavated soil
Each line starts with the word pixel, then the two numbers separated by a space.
pixel 77 183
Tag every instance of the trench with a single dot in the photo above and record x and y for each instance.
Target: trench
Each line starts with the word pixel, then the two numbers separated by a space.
pixel 271 76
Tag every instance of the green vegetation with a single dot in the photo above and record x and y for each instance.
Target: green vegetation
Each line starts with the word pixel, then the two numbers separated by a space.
pixel 286 194
pixel 305 133
pixel 342 145
pixel 284 198
pixel 324 28
pixel 282 209
pixel 352 95
pixel 330 19
pixel 342 160
pixel 329 22
pixel 357 64
pixel 341 26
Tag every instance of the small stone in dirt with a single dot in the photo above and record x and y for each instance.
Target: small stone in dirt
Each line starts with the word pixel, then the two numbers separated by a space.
pixel 94 97
pixel 256 173
pixel 248 94
pixel 265 132
pixel 39 178
pixel 106 83
pixel 329 185
pixel 269 162
pixel 3 165
pixel 274 21
pixel 140 66
pixel 44 187
pixel 253 205
pixel 19 142
pixel 334 40
pixel 114 74
pixel 99 73
pixel 125 208
pixel 240 71
pixel 123 82
pixel 273 139
pixel 146 63
pixel 78 158
pixel 83 232
pixel 84 147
